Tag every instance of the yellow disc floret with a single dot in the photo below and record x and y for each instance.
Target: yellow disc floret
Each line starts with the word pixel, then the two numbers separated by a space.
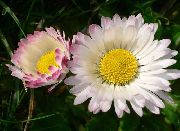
pixel 45 61
pixel 118 66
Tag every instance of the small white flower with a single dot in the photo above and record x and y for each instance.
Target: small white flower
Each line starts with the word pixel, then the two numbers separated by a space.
pixel 121 62
pixel 41 58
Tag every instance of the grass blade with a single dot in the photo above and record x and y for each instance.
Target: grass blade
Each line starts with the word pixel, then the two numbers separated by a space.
pixel 8 10
pixel 5 43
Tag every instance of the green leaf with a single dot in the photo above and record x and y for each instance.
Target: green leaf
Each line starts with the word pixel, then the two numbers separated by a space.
pixel 155 122
pixel 127 120
pixel 149 15
pixel 176 39
pixel 53 123
pixel 102 122
pixel 171 114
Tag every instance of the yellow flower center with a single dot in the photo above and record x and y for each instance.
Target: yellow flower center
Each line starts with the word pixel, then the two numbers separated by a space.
pixel 118 66
pixel 45 61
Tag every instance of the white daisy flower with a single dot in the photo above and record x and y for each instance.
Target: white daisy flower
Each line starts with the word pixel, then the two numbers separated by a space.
pixel 41 58
pixel 121 62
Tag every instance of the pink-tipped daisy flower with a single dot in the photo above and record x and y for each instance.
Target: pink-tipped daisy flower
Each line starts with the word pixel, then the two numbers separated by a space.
pixel 121 62
pixel 41 58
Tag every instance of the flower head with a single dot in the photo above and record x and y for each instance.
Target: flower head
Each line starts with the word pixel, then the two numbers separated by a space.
pixel 121 62
pixel 41 58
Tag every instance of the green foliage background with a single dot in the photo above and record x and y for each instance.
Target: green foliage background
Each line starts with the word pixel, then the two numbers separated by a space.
pixel 55 111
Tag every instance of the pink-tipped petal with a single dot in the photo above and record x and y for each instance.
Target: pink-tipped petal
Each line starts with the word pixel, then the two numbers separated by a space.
pixel 106 22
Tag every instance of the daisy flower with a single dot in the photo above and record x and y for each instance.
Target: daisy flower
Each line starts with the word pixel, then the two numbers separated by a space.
pixel 120 63
pixel 41 58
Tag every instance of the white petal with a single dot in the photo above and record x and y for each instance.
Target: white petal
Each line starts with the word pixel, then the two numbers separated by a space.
pixel 86 41
pixel 117 20
pixel 142 40
pixel 140 21
pixel 118 37
pixel 154 56
pixel 16 71
pixel 153 72
pixel 153 27
pixel 148 95
pixel 78 88
pixel 71 80
pixel 171 74
pixel 120 92
pixel 156 47
pixel 150 87
pixel 158 64
pixel 95 31
pixel 93 105
pixel 82 39
pixel 139 100
pixel 106 22
pixel 171 55
pixel 83 96
pixel 155 100
pixel 96 111
pixel 164 63
pixel 109 39
pixel 131 21
pixel 118 112
pixel 105 105
pixel 129 35
pixel 127 109
pixel 136 108
pixel 153 80
pixel 154 109
pixel 164 43
pixel 174 73
pixel 104 94
pixel 78 49
pixel 121 104
pixel 148 49
pixel 79 70
pixel 163 95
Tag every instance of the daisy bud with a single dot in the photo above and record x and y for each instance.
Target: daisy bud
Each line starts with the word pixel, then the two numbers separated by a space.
pixel 41 58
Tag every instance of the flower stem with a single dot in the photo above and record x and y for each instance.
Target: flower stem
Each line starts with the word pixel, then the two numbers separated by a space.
pixel 31 108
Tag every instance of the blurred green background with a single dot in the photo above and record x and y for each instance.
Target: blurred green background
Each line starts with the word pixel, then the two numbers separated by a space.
pixel 55 111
